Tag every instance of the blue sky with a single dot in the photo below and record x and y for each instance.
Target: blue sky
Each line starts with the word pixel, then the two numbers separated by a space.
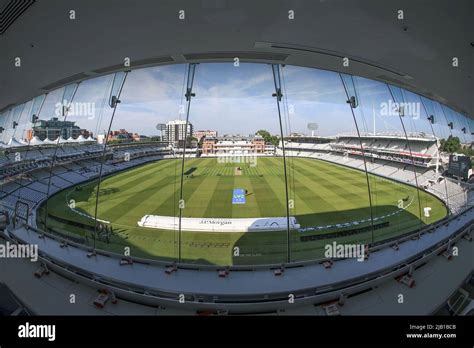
pixel 238 100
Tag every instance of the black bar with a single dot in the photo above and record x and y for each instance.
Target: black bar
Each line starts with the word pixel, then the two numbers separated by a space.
pixel 242 330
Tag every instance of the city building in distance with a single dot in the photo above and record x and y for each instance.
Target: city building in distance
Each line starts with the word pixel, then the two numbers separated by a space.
pixel 205 133
pixel 123 135
pixel 233 145
pixel 51 129
pixel 176 132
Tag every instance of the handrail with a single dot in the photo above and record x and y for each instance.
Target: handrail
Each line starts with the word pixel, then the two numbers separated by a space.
pixel 374 247
pixel 17 216
pixel 342 286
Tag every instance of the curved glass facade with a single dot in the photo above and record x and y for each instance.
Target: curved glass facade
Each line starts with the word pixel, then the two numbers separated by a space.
pixel 217 163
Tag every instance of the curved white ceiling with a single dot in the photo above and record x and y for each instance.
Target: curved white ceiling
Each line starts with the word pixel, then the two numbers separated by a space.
pixel 415 53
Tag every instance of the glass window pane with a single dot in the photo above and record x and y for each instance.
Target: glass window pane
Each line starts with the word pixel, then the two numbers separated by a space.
pixel 235 189
pixel 126 163
pixel 396 200
pixel 77 157
pixel 327 178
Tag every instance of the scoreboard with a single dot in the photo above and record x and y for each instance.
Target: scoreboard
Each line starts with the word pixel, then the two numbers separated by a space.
pixel 459 166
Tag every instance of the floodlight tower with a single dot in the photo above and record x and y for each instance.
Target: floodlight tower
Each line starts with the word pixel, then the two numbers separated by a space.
pixel 312 127
pixel 162 128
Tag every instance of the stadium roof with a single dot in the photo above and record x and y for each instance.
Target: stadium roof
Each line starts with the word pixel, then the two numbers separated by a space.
pixel 36 141
pixel 393 136
pixel 14 143
pixel 415 53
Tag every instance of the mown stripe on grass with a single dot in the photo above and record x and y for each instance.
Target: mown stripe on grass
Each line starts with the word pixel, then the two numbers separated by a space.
pixel 129 174
pixel 334 188
pixel 219 202
pixel 134 198
pixel 125 185
pixel 198 201
pixel 269 190
pixel 189 187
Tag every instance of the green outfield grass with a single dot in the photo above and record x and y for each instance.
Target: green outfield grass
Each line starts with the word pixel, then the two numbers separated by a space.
pixel 322 194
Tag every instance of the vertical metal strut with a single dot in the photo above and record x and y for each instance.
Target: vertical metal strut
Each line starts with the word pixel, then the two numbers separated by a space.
pixel 279 95
pixel 189 94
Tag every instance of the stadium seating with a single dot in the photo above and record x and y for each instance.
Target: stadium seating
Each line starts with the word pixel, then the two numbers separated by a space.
pixel 28 179
pixel 388 156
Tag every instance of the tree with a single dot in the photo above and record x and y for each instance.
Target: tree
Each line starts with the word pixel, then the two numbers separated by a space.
pixel 268 138
pixel 191 141
pixel 264 133
pixel 451 145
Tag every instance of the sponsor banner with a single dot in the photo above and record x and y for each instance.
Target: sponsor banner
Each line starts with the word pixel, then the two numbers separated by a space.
pixel 218 224
pixel 239 196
